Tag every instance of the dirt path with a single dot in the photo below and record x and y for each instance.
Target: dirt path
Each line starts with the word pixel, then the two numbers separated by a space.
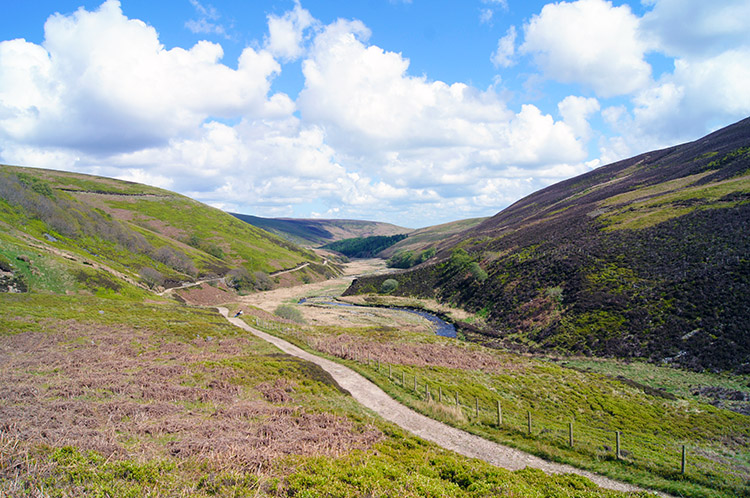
pixel 188 285
pixel 371 396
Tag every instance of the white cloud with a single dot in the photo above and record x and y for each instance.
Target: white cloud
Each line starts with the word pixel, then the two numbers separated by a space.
pixel 576 111
pixel 696 28
pixel 102 82
pixel 506 49
pixel 287 32
pixel 206 22
pixel 366 100
pixel 591 43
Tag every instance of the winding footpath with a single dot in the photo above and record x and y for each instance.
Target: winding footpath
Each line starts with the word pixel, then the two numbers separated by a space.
pixel 374 398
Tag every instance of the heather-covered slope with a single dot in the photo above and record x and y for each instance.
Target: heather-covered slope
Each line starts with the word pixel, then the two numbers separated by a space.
pixel 66 232
pixel 646 257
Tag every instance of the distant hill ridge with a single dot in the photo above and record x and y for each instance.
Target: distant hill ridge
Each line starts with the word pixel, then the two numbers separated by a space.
pixel 318 232
pixel 646 257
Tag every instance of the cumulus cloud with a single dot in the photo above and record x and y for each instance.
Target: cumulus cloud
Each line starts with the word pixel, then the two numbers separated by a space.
pixel 589 42
pixel 102 82
pixel 506 49
pixel 287 33
pixel 367 101
pixel 576 111
pixel 695 28
pixel 707 88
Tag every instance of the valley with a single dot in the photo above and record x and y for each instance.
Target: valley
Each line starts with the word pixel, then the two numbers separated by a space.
pixel 601 332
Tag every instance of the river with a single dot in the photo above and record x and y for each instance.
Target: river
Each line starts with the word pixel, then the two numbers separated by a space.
pixel 442 327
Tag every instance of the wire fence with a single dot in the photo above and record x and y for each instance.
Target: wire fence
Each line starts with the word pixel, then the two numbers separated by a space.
pixel 499 415
pixel 491 412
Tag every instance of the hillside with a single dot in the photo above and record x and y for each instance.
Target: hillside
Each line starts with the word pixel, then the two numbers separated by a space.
pixel 646 257
pixel 315 232
pixel 66 232
pixel 424 238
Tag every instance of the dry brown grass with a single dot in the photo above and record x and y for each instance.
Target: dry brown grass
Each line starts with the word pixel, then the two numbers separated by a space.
pixel 123 393
pixel 415 354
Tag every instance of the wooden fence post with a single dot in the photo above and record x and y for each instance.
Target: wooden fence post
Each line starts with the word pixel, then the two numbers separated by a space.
pixel 440 394
pixel 476 407
pixel 499 414
pixel 427 391
pixel 389 371
pixel 570 434
pixel 617 445
pixel 684 459
pixel 403 379
pixel 528 420
pixel 457 405
pixel 415 382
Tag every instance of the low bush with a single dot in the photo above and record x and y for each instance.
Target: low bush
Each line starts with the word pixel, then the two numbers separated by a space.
pixel 289 312
pixel 389 286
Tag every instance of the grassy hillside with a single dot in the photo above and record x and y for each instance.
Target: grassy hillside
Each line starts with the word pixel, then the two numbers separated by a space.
pixel 315 233
pixel 424 238
pixel 66 232
pixel 647 257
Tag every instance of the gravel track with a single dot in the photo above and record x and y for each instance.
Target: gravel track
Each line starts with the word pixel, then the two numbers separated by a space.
pixel 374 398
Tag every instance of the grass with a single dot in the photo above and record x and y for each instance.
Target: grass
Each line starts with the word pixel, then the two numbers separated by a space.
pixel 653 205
pixel 124 226
pixel 105 397
pixel 654 426
pixel 681 383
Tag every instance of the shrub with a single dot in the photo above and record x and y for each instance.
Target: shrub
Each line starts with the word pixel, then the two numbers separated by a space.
pixel 239 279
pixel 389 286
pixel 262 281
pixel 402 259
pixel 151 277
pixel 477 271
pixel 289 312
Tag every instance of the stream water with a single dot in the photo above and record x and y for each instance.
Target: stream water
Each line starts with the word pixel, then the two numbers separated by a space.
pixel 442 327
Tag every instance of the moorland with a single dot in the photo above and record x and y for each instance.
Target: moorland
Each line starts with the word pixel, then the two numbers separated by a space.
pixel 601 324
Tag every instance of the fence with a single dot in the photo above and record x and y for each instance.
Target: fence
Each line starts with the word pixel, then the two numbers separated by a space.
pixel 485 416
pixel 496 416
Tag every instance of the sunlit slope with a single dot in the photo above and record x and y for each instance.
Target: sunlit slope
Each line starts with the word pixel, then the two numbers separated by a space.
pixel 140 235
pixel 646 257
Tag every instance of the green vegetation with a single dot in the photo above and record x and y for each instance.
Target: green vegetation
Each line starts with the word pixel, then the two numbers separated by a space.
pixel 289 312
pixel 665 202
pixel 364 247
pixel 137 399
pixel 425 238
pixel 654 423
pixel 138 234
pixel 389 286
pixel 407 259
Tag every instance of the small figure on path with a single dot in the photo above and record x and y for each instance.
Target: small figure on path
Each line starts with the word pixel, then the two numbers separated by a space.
pixel 238 313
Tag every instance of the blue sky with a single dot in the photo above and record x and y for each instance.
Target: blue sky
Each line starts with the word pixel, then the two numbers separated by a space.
pixel 411 112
